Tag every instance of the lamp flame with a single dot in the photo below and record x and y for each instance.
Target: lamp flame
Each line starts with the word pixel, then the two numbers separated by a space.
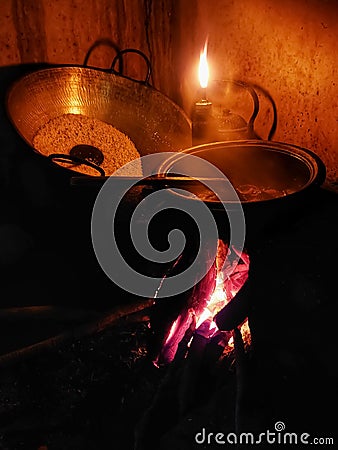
pixel 203 70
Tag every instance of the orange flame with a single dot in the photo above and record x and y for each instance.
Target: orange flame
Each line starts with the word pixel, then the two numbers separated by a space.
pixel 203 69
pixel 217 301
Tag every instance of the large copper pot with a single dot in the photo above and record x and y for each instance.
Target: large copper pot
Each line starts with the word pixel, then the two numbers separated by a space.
pixel 149 118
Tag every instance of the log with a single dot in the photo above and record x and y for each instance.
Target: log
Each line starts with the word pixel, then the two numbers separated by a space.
pixel 105 320
pixel 236 311
pixel 242 383
pixel 162 413
pixel 189 380
pixel 47 312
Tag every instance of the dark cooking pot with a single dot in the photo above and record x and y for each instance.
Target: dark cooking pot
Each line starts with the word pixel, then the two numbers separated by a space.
pixel 272 179
pixel 265 175
pixel 259 171
pixel 149 118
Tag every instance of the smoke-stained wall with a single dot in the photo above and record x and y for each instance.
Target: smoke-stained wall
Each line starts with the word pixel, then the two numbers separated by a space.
pixel 287 49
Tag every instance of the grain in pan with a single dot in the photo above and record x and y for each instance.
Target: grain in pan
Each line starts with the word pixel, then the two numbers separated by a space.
pixel 62 133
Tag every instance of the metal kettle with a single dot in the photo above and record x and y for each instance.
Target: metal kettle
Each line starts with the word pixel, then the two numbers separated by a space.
pixel 215 121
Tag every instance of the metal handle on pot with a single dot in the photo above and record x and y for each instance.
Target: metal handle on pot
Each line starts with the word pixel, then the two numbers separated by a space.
pixel 118 58
pixel 61 157
pixel 98 43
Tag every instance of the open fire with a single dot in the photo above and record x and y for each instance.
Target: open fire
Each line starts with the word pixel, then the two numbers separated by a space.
pixel 195 342
pixel 196 313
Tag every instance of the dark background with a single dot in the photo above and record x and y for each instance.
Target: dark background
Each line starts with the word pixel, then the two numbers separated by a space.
pixel 46 258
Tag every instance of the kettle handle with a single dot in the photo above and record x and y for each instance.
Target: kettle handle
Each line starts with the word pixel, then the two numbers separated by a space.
pixel 255 100
pixel 252 91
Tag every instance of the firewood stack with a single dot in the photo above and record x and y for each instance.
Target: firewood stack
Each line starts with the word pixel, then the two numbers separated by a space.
pixel 198 361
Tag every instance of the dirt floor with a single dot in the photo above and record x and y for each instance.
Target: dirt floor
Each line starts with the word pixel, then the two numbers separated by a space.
pixel 98 392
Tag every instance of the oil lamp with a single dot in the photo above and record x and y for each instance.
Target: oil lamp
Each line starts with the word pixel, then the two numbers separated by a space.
pixel 202 118
pixel 212 118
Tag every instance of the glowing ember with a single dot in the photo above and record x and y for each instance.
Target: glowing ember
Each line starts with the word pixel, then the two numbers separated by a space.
pixel 217 301
pixel 245 330
pixel 229 281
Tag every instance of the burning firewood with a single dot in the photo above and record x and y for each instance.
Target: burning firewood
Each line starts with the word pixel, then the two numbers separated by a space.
pixel 190 334
pixel 215 296
pixel 236 311
pixel 172 317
